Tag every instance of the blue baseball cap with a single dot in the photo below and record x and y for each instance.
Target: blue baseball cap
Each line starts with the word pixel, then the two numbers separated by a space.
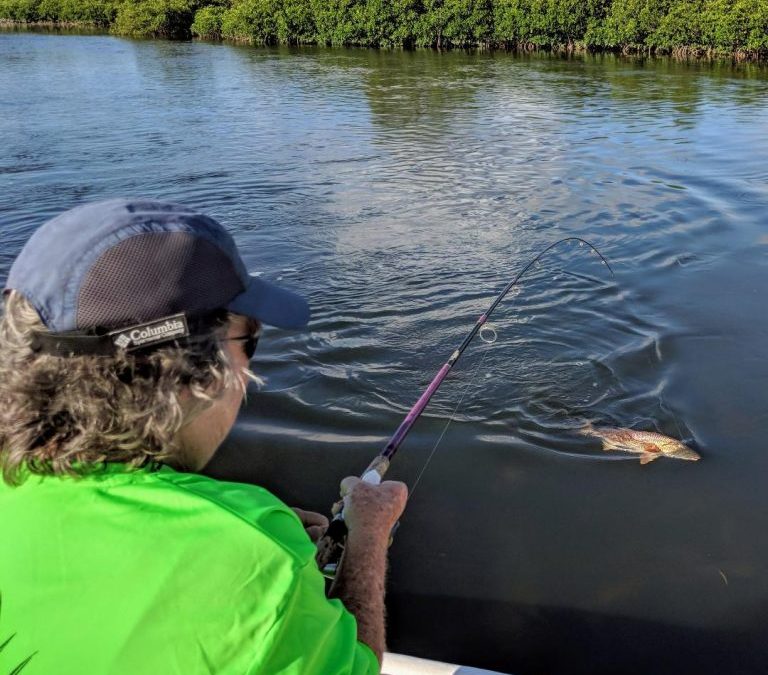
pixel 109 265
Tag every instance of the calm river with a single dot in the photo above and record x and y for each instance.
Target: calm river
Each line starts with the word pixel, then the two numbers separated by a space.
pixel 400 192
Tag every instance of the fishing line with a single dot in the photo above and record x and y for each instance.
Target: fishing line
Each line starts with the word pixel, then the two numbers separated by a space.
pixel 479 365
pixel 664 408
pixel 331 544
pixel 488 334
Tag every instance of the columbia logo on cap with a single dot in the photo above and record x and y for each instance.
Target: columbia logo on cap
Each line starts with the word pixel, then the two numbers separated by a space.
pixel 144 334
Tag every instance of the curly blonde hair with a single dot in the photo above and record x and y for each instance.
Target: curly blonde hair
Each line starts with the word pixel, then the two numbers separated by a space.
pixel 69 415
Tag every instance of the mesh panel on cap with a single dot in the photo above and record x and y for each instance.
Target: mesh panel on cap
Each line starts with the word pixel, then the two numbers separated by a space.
pixel 151 275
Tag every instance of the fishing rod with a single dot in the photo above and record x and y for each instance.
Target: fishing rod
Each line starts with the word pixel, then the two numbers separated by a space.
pixel 331 545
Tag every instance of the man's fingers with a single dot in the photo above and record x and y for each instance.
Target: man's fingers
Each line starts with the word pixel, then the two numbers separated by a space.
pixel 398 494
pixel 398 490
pixel 348 484
pixel 312 519
pixel 315 532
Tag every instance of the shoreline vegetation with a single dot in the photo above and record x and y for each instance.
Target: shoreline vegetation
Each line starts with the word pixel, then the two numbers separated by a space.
pixel 684 28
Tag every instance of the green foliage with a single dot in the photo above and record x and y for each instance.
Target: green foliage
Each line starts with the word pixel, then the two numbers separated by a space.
pixel 470 22
pixel 269 22
pixel 730 26
pixel 338 21
pixel 253 21
pixel 739 25
pixel 155 18
pixel 508 19
pixel 455 23
pixel 297 25
pixel 388 23
pixel 207 23
pixel 95 12
pixel 629 23
pixel 545 22
pixel 50 10
pixel 753 16
pixel 681 26
pixel 22 11
pixel 92 12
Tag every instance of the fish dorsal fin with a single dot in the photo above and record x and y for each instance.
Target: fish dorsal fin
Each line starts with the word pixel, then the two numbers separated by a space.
pixel 649 456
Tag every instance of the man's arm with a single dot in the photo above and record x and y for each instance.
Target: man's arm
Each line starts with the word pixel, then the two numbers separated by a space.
pixel 370 512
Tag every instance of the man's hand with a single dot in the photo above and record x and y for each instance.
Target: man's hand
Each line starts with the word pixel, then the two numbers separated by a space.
pixel 315 524
pixel 372 510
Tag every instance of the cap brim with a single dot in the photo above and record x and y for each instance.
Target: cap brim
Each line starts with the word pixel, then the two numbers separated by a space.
pixel 271 304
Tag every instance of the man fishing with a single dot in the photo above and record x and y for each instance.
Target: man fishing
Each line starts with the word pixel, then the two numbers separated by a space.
pixel 126 338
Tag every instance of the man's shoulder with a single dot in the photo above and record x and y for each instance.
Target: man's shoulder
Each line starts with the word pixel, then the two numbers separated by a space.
pixel 250 503
pixel 240 506
pixel 157 505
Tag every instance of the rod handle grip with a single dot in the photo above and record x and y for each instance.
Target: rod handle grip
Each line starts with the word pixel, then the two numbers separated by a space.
pixel 371 476
pixel 331 544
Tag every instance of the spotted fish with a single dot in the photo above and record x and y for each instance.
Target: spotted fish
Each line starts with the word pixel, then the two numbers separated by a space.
pixel 648 444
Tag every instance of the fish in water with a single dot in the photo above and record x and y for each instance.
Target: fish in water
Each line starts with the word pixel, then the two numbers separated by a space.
pixel 648 444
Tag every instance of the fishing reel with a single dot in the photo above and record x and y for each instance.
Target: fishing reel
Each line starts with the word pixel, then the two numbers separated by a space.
pixel 330 547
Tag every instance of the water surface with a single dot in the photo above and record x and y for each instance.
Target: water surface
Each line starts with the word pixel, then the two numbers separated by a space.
pixel 400 192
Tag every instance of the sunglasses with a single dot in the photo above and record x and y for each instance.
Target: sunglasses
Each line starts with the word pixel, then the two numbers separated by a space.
pixel 249 343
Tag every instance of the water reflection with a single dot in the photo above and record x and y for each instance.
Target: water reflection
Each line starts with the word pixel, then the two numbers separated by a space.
pixel 400 192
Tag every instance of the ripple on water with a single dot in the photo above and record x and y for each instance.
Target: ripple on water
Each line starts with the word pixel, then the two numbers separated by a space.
pixel 406 189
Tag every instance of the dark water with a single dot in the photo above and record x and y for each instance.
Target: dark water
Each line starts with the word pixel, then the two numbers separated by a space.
pixel 400 192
